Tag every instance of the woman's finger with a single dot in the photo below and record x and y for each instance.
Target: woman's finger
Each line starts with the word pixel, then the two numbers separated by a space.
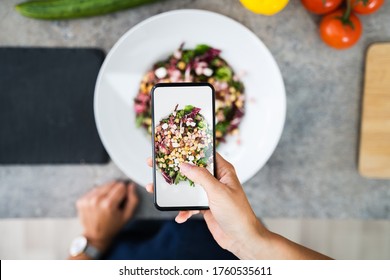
pixel 183 216
pixel 149 188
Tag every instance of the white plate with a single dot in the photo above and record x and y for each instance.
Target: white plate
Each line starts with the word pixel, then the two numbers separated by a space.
pixel 154 39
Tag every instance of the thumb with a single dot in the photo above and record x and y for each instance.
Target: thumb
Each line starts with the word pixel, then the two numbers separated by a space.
pixel 200 175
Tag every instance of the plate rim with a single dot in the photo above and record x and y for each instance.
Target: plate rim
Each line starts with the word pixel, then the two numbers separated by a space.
pixel 124 36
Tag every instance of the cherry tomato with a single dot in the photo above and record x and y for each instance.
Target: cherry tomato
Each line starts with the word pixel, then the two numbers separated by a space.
pixel 321 7
pixel 366 7
pixel 339 33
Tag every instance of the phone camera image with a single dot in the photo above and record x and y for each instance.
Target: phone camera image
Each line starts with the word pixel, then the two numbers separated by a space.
pixel 183 136
pixel 183 132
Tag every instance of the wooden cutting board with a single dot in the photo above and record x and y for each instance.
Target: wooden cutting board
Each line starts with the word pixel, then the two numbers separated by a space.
pixel 374 156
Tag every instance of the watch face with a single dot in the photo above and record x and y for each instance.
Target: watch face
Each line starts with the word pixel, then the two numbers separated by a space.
pixel 78 246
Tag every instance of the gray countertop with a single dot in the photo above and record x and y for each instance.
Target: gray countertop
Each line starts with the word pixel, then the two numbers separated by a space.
pixel 313 171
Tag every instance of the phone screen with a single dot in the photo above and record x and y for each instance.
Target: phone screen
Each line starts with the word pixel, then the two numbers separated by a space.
pixel 183 131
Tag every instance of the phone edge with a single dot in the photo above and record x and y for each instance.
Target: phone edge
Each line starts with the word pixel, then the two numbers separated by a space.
pixel 178 208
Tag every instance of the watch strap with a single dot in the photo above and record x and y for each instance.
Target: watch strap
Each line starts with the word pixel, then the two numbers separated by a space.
pixel 92 252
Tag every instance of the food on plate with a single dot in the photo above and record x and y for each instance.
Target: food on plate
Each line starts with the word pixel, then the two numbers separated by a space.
pixel 265 7
pixel 201 64
pixel 183 136
pixel 321 7
pixel 340 29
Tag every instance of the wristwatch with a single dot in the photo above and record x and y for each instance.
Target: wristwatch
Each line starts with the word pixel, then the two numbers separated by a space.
pixel 80 245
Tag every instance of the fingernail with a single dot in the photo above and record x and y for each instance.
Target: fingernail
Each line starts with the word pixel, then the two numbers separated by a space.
pixel 184 166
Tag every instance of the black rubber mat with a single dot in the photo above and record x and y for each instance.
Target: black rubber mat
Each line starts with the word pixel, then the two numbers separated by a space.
pixel 46 106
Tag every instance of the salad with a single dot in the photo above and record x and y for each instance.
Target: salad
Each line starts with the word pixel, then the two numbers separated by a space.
pixel 201 64
pixel 183 136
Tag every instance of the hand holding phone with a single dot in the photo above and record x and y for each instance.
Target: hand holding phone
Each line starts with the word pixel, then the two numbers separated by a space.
pixel 231 219
pixel 183 131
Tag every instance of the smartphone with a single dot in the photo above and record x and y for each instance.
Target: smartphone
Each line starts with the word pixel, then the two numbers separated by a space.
pixel 183 130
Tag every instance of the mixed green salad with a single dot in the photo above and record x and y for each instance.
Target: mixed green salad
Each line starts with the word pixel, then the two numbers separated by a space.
pixel 201 64
pixel 183 136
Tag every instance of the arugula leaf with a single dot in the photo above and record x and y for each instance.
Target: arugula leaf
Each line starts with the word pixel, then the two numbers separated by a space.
pixel 187 56
pixel 201 124
pixel 179 114
pixel 188 109
pixel 239 86
pixel 139 120
pixel 227 112
pixel 179 178
pixel 172 173
pixel 160 64
pixel 201 49
pixel 224 73
pixel 202 161
pixel 216 62
pixel 222 126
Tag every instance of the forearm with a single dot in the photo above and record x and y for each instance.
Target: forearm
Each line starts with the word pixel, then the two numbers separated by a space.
pixel 261 243
pixel 264 244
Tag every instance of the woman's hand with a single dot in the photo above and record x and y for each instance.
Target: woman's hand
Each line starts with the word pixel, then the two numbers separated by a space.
pixel 230 219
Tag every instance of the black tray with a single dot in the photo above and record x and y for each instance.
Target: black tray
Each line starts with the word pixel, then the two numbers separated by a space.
pixel 46 106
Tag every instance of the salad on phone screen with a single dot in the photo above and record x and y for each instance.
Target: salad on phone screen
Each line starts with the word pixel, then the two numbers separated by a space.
pixel 183 136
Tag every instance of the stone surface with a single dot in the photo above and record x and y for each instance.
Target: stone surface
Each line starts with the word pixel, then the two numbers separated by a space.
pixel 313 171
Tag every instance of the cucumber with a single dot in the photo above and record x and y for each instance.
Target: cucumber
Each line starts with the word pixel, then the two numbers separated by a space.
pixel 66 9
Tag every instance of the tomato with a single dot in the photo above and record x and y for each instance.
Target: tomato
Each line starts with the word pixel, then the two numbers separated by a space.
pixel 366 7
pixel 337 32
pixel 321 7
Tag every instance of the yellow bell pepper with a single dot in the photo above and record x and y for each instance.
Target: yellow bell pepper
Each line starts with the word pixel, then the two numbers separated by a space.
pixel 264 7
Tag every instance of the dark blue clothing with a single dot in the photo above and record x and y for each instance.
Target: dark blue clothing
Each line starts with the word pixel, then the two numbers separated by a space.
pixel 166 240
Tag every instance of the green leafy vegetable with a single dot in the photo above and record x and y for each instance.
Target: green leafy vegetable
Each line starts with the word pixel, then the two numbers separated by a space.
pixel 201 124
pixel 202 161
pixel 224 73
pixel 188 109
pixel 238 85
pixel 201 49
pixel 188 55
pixel 139 120
pixel 222 126
pixel 180 177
